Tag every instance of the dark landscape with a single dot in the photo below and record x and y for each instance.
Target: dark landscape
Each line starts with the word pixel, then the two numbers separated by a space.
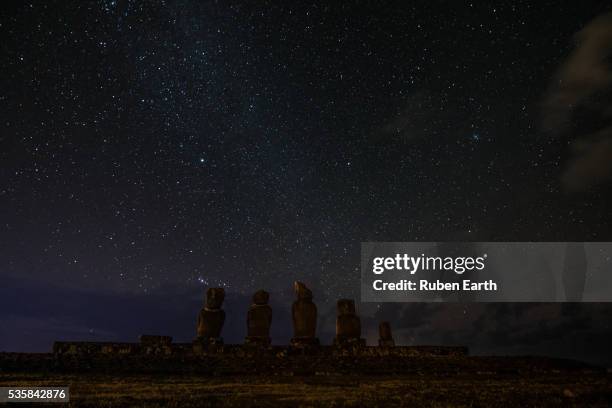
pixel 428 381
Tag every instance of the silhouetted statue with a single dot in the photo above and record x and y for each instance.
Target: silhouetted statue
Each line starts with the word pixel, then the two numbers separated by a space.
pixel 385 338
pixel 574 271
pixel 348 325
pixel 212 317
pixel 259 319
pixel 304 313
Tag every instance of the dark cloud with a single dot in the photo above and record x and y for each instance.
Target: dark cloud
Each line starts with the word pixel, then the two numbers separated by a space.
pixel 567 330
pixel 579 99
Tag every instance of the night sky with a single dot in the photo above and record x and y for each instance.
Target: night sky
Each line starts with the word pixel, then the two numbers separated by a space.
pixel 150 150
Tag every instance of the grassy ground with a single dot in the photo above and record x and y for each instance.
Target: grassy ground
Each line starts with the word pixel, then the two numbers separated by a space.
pixel 473 390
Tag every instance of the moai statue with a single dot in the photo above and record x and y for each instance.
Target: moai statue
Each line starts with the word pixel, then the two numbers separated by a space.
pixel 385 337
pixel 304 313
pixel 259 319
pixel 348 325
pixel 211 318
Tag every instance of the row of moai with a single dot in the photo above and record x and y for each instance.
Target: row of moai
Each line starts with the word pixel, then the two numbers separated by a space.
pixel 304 315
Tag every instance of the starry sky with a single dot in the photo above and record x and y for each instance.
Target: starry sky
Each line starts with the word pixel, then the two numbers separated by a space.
pixel 152 149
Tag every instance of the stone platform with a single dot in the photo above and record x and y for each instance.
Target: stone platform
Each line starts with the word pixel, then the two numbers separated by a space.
pixel 239 350
pixel 225 359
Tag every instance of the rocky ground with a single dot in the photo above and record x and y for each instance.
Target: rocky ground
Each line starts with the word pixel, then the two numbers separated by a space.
pixel 467 382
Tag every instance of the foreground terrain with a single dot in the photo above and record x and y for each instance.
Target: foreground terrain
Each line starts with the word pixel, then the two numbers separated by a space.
pixel 136 375
pixel 491 387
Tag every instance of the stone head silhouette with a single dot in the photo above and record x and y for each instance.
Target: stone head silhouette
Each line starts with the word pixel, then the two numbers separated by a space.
pixel 302 291
pixel 214 298
pixel 384 330
pixel 304 313
pixel 261 297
